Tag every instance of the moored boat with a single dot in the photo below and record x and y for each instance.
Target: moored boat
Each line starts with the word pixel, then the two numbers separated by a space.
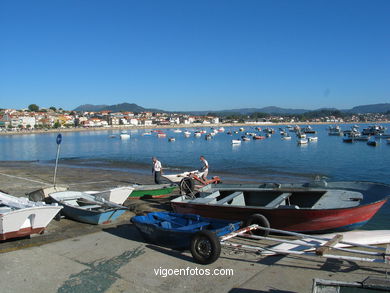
pixel 335 131
pixel 236 141
pixel 87 208
pixel 302 141
pixel 372 142
pixel 124 136
pixel 317 207
pixel 20 217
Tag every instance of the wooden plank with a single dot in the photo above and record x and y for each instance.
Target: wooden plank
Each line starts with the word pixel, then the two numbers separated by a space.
pixel 329 244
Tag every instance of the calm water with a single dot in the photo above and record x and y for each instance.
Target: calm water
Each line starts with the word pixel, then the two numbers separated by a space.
pixel 269 159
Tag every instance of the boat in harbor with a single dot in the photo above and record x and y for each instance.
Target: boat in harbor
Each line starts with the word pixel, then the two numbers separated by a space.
pixel 124 135
pixel 152 190
pixel 20 217
pixel 373 130
pixel 236 141
pixel 316 207
pixel 308 129
pixel 335 130
pixel 301 141
pixel 87 208
pixel 372 142
pixel 312 138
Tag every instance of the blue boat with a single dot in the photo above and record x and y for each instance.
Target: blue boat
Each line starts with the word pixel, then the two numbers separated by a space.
pixel 87 208
pixel 185 231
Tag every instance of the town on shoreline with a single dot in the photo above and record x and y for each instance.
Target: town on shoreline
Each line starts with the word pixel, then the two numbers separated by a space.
pixel 34 121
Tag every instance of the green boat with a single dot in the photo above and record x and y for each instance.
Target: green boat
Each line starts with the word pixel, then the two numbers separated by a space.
pixel 152 190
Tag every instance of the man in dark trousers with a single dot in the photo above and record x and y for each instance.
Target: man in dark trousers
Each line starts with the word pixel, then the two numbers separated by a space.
pixel 156 171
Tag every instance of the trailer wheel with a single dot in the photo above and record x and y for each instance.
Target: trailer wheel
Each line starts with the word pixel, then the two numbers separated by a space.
pixel 259 220
pixel 187 185
pixel 205 247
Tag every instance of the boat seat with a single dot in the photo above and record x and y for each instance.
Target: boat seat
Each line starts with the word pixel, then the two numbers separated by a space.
pixel 279 200
pixel 230 197
pixel 194 226
pixel 203 200
pixel 208 198
pixel 214 194
pixel 292 207
pixel 91 206
pixel 166 224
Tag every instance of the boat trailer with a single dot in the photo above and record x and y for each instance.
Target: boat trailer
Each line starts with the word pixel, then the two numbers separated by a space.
pixel 322 247
pixel 376 255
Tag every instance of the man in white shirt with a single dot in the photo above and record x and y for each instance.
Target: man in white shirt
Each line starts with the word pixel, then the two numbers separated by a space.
pixel 205 168
pixel 156 171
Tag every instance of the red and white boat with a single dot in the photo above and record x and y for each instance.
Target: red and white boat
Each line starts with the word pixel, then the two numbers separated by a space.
pixel 20 217
pixel 317 207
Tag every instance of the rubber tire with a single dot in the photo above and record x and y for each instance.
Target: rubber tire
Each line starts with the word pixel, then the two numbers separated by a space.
pixel 198 243
pixel 261 221
pixel 187 185
pixel 58 216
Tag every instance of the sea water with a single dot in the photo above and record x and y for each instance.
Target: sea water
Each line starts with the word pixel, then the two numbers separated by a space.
pixel 271 159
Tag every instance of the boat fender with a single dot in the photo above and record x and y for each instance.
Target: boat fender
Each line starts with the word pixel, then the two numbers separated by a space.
pixel 259 220
pixel 205 247
pixel 187 185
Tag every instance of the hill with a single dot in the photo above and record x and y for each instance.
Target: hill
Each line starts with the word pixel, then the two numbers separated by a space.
pixel 131 107
pixel 124 107
pixel 374 108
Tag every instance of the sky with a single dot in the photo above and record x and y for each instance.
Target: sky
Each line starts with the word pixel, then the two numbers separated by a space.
pixel 194 54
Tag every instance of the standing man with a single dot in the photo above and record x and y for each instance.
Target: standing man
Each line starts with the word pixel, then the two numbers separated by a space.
pixel 157 169
pixel 205 168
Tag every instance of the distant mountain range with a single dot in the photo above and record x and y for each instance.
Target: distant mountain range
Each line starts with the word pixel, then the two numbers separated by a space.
pixel 126 107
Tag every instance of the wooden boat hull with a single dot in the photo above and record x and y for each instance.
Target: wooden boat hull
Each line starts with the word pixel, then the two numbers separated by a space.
pixel 87 208
pixel 152 192
pixel 92 217
pixel 25 222
pixel 154 232
pixel 305 208
pixel 303 221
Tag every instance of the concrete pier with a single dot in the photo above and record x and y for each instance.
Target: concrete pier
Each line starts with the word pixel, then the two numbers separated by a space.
pixel 76 257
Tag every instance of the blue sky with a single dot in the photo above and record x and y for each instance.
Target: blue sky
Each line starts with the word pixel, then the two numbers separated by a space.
pixel 194 55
